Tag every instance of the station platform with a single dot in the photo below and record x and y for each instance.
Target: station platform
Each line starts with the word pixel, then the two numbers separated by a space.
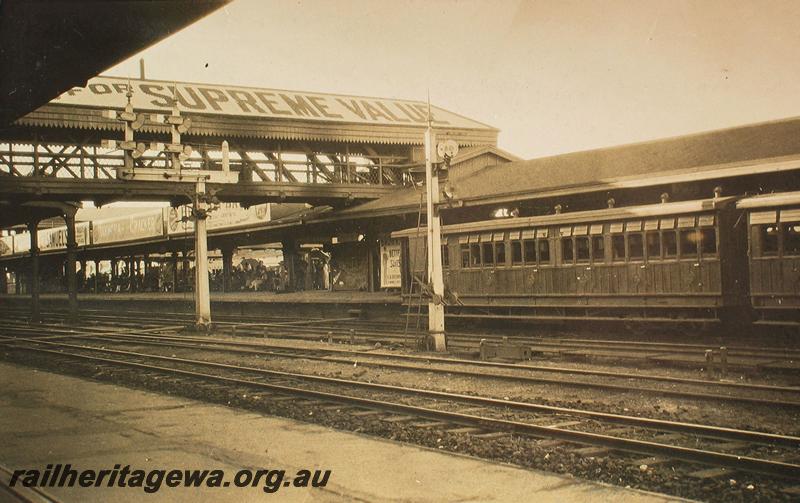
pixel 313 303
pixel 47 418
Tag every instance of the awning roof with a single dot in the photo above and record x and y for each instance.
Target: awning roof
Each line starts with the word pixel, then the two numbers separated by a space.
pixel 48 47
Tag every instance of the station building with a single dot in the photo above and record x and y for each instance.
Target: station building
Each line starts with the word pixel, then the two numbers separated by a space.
pixel 345 244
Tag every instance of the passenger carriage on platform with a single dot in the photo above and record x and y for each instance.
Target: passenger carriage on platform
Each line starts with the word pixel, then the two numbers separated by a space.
pixel 679 261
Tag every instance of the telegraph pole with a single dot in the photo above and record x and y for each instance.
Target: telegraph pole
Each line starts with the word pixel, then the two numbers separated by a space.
pixel 435 279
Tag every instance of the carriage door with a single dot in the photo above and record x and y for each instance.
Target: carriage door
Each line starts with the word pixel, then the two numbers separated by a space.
pixel 488 273
pixel 691 269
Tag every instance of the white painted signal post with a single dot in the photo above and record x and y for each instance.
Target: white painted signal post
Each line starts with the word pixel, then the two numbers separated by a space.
pixel 202 202
pixel 446 150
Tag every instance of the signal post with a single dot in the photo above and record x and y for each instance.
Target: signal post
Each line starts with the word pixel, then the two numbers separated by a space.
pixel 203 203
pixel 433 152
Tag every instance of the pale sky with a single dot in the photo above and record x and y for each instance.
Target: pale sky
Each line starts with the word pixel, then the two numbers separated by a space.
pixel 553 76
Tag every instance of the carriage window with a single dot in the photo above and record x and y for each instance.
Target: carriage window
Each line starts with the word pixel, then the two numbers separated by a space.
pixel 635 246
pixel 689 243
pixel 670 244
pixel 543 248
pixel 475 255
pixel 598 248
pixel 464 256
pixel 582 248
pixel 500 253
pixel 530 251
pixel 708 241
pixel 653 240
pixel 791 239
pixel 567 254
pixel 618 248
pixel 516 252
pixel 769 240
pixel 445 256
pixel 488 254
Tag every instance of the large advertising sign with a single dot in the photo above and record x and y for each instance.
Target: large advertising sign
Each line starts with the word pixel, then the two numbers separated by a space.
pixel 6 245
pixel 56 238
pixel 390 265
pixel 128 228
pixel 227 216
pixel 22 242
pixel 157 96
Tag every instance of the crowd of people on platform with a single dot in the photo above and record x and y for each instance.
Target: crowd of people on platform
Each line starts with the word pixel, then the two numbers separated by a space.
pixel 249 275
pixel 314 270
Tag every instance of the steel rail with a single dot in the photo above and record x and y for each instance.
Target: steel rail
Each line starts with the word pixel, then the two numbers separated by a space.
pixel 746 463
pixel 666 346
pixel 657 424
pixel 446 361
pixel 307 353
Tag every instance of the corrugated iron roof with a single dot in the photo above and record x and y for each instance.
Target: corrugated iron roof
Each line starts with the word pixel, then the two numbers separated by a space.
pixel 683 158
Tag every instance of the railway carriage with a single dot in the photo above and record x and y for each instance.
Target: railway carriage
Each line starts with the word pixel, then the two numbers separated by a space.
pixel 774 256
pixel 679 261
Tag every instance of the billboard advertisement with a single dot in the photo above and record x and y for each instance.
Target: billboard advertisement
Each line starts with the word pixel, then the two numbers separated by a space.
pixel 391 272
pixel 227 216
pixel 128 228
pixel 157 96
pixel 56 238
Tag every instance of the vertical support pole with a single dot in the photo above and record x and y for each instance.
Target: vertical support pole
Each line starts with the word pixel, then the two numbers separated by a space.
pixel 435 279
pixel 72 279
pixel 146 273
pixel 202 296
pixel 114 280
pixel 34 276
pixel 36 157
pixel 3 280
pixel 174 271
pixel 82 276
pixel 131 274
pixel 226 158
pixel 96 275
pixel 371 262
pixel 185 268
pixel 290 262
pixel 18 276
pixel 227 268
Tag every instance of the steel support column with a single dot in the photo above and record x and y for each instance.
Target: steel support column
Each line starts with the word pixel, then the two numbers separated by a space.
pixel 3 280
pixel 131 274
pixel 72 279
pixel 34 273
pixel 174 262
pixel 227 268
pixel 289 249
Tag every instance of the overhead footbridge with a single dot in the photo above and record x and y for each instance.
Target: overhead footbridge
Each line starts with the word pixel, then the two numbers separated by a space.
pixel 283 146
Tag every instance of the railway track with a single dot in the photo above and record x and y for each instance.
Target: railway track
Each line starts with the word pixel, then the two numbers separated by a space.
pixel 386 332
pixel 694 389
pixel 738 450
